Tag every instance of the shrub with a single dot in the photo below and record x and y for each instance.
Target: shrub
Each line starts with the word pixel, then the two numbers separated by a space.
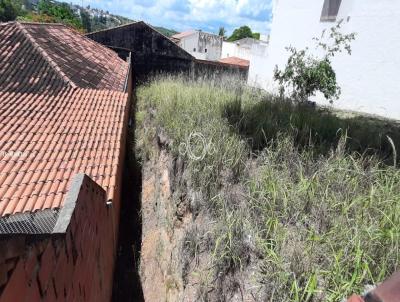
pixel 306 74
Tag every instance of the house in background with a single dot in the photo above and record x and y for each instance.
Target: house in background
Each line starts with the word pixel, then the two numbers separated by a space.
pixel 252 50
pixel 370 77
pixel 201 45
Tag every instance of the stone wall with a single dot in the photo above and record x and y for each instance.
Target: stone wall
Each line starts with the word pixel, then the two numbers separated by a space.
pixel 74 263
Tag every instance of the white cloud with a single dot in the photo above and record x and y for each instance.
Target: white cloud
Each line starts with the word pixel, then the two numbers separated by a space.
pixel 184 14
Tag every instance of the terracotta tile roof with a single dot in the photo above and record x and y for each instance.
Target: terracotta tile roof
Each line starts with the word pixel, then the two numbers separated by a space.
pixel 47 138
pixel 40 57
pixel 235 61
pixel 183 34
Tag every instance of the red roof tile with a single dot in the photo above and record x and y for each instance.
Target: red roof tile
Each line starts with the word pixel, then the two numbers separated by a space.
pixel 37 57
pixel 235 61
pixel 47 138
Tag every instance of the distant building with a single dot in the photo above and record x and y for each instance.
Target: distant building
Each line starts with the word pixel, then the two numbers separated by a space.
pixel 252 50
pixel 201 45
pixel 370 77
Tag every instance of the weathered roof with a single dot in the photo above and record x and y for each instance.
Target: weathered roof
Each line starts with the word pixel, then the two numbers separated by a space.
pixel 47 138
pixel 183 34
pixel 37 57
pixel 235 61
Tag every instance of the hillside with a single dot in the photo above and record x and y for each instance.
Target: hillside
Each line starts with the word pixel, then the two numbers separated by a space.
pixel 87 19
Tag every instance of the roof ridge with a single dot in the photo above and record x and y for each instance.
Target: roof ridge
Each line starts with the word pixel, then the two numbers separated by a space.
pixel 46 56
pixel 119 26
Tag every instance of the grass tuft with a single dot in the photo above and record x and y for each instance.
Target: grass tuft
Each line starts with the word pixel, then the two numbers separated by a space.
pixel 296 190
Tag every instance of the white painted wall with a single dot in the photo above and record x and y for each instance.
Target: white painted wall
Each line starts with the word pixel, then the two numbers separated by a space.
pixel 370 77
pixel 256 54
pixel 189 43
pixel 203 46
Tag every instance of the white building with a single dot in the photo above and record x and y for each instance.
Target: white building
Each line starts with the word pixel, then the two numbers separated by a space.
pixel 201 45
pixel 255 51
pixel 370 77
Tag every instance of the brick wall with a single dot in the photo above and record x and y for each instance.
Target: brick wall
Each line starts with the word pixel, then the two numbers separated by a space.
pixel 74 263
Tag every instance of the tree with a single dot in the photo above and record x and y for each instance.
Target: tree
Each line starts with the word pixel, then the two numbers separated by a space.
pixel 86 21
pixel 243 32
pixel 59 12
pixel 10 10
pixel 306 74
pixel 222 32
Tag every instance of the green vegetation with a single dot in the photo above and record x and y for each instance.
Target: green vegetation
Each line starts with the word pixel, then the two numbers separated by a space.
pixel 222 32
pixel 305 74
pixel 243 32
pixel 84 19
pixel 59 12
pixel 10 9
pixel 288 194
pixel 165 31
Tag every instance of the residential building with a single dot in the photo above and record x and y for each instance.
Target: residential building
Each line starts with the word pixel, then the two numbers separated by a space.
pixel 252 50
pixel 64 103
pixel 201 45
pixel 369 77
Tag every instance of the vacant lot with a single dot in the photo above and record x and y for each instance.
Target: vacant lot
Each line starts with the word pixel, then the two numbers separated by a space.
pixel 305 201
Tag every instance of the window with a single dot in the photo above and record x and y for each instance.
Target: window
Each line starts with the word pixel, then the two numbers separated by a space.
pixel 205 49
pixel 194 49
pixel 330 10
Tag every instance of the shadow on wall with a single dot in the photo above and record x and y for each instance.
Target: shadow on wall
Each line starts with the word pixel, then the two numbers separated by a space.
pixel 313 126
pixel 127 286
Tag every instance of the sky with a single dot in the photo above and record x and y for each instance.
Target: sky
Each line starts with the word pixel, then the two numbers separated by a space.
pixel 181 15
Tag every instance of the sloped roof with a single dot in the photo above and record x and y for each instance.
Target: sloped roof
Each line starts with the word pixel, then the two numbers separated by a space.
pixel 235 61
pixel 45 139
pixel 37 57
pixel 183 34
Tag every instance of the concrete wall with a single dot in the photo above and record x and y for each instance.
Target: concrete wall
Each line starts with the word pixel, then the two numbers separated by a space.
pixel 203 46
pixel 215 70
pixel 73 264
pixel 151 51
pixel 369 77
pixel 257 54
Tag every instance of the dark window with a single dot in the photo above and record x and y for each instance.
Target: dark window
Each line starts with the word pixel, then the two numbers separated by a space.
pixel 194 49
pixel 330 10
pixel 205 50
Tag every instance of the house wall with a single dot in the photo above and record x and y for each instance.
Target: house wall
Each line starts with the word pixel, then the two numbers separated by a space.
pixel 190 43
pixel 202 41
pixel 75 265
pixel 256 54
pixel 369 78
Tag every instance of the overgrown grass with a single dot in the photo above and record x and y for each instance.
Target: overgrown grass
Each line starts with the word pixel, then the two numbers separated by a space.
pixel 283 184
